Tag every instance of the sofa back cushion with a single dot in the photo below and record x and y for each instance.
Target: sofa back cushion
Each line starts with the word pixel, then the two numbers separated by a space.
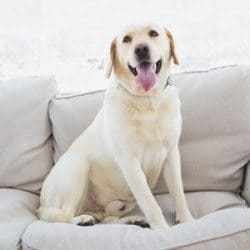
pixel 25 132
pixel 216 127
pixel 70 116
pixel 215 139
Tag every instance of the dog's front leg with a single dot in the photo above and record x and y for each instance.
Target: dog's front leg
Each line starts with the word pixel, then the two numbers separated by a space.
pixel 137 183
pixel 172 176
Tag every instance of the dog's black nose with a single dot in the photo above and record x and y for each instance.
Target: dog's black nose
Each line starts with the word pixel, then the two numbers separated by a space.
pixel 142 52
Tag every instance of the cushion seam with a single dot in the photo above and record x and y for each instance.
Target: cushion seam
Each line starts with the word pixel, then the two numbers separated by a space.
pixel 77 95
pixel 204 70
pixel 29 243
pixel 211 239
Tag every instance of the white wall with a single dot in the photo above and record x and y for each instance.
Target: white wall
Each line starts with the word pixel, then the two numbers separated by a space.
pixel 69 38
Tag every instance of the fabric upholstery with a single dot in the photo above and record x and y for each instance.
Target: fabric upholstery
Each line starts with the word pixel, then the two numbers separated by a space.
pixel 25 132
pixel 246 186
pixel 17 210
pixel 199 203
pixel 223 226
pixel 70 116
pixel 215 139
pixel 216 127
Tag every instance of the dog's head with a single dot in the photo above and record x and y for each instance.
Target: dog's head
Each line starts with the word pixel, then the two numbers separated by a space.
pixel 140 57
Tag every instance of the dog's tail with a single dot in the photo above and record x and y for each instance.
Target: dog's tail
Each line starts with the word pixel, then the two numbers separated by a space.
pixel 52 214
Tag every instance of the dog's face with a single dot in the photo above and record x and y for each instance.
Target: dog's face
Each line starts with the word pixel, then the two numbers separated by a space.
pixel 140 57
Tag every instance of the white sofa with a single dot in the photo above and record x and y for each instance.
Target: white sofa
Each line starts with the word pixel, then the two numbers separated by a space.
pixel 36 128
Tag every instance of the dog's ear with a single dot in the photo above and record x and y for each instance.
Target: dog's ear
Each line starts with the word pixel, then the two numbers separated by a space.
pixel 172 47
pixel 112 55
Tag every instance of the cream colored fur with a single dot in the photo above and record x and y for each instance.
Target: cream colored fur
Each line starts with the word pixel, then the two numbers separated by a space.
pixel 117 161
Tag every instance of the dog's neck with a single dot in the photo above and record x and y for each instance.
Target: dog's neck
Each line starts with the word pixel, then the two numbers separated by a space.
pixel 120 86
pixel 136 104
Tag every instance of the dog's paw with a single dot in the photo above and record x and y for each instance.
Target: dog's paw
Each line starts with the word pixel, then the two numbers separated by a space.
pixel 187 217
pixel 140 222
pixel 84 220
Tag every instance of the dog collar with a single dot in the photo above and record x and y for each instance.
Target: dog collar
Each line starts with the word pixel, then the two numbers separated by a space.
pixel 168 83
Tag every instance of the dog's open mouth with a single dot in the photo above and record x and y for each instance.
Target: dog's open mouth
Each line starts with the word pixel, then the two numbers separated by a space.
pixel 146 73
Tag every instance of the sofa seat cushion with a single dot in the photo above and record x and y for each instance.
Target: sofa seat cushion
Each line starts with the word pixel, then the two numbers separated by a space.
pixel 215 139
pixel 220 225
pixel 17 210
pixel 199 203
pixel 25 132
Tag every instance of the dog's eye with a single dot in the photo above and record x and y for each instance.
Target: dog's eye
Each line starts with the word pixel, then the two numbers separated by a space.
pixel 153 33
pixel 127 39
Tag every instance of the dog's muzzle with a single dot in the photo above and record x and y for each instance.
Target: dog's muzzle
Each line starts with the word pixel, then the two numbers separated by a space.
pixel 146 73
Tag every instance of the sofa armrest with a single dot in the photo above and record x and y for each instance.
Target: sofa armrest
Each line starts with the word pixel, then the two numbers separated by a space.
pixel 246 187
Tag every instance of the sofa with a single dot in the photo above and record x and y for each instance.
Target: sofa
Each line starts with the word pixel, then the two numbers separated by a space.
pixel 38 124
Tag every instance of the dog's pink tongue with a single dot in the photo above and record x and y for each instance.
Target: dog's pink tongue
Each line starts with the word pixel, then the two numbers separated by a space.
pixel 146 76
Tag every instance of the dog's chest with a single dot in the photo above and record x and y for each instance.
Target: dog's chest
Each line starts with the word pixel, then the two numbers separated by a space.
pixel 156 125
pixel 143 120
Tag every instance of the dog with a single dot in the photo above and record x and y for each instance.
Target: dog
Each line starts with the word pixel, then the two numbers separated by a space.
pixel 134 138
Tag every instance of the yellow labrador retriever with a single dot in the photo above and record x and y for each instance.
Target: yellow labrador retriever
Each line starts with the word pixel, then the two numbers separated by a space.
pixel 118 159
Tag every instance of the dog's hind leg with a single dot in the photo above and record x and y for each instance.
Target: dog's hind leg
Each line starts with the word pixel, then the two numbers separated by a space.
pixel 65 189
